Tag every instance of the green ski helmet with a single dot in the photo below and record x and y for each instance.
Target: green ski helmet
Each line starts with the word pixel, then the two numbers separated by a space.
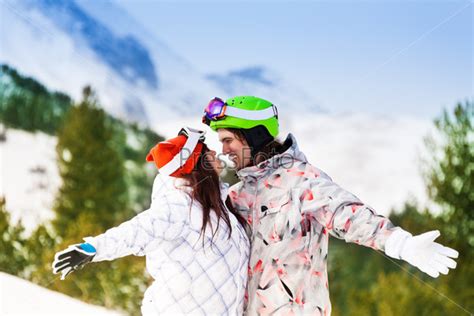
pixel 243 112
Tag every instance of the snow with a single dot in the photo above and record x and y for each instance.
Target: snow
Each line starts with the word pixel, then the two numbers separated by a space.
pixel 29 176
pixel 21 297
pixel 57 55
pixel 182 89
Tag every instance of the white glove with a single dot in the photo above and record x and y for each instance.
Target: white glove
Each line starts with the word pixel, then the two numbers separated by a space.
pixel 421 251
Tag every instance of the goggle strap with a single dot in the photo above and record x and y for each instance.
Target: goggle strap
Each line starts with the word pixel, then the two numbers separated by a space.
pixel 253 115
pixel 189 130
pixel 179 160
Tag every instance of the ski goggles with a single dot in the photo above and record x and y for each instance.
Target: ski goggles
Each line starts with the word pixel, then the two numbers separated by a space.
pixel 217 109
pixel 190 132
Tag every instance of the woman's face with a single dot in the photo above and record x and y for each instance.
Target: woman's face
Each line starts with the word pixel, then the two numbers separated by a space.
pixel 216 164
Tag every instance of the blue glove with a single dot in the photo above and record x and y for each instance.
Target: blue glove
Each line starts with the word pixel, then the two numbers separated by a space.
pixel 72 258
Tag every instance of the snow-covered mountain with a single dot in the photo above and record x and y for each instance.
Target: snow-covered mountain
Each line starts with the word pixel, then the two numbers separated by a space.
pixel 136 76
pixel 69 44
pixel 125 55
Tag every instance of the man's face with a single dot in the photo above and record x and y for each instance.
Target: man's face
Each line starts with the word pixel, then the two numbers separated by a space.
pixel 238 150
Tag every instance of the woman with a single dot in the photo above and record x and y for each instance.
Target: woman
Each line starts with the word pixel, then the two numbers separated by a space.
pixel 196 248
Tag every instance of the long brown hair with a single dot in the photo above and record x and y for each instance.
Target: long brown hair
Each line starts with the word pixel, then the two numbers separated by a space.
pixel 204 181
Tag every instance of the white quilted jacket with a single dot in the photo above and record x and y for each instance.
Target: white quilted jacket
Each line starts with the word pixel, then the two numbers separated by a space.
pixel 189 278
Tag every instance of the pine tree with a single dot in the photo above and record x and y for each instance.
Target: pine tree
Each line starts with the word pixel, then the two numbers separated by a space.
pixel 450 173
pixel 12 258
pixel 93 197
pixel 93 191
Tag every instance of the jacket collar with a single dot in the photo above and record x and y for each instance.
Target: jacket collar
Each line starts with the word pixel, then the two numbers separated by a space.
pixel 269 166
pixel 164 184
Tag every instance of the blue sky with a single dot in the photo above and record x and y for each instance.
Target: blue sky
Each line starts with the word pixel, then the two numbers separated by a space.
pixel 410 58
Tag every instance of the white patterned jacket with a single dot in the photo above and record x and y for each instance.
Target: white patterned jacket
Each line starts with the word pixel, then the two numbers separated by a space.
pixel 292 208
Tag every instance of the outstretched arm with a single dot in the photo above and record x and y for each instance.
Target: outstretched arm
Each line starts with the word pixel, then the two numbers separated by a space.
pixel 163 221
pixel 346 217
pixel 139 234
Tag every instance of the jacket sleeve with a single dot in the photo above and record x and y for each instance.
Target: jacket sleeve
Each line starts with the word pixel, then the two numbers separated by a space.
pixel 165 220
pixel 343 215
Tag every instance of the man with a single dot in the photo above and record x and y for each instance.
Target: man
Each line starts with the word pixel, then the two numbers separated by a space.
pixel 292 208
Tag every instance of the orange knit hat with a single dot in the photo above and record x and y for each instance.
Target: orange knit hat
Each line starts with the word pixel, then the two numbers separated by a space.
pixel 173 157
